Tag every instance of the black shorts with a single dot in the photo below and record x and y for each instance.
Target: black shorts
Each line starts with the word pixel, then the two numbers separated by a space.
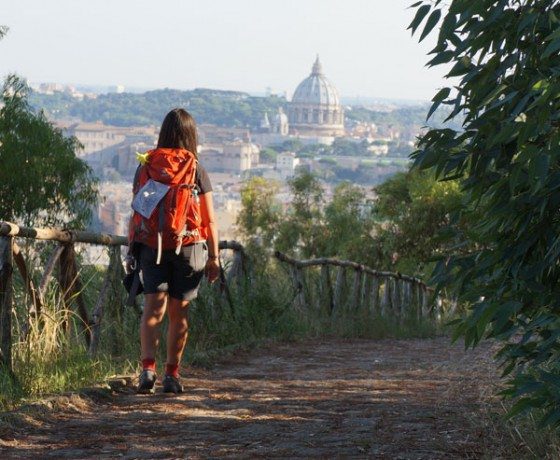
pixel 177 274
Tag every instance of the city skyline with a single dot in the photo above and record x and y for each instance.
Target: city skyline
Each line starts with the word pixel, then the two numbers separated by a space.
pixel 240 45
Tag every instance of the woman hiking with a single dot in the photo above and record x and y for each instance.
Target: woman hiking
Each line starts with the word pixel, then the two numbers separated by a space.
pixel 173 238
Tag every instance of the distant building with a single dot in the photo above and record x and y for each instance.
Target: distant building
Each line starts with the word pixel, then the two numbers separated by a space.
pixel 234 157
pixel 264 125
pixel 111 146
pixel 286 164
pixel 280 125
pixel 315 109
pixel 119 89
pixel 124 159
pixel 217 135
pixel 96 136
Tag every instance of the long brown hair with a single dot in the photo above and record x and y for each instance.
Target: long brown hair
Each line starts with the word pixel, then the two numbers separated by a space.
pixel 178 131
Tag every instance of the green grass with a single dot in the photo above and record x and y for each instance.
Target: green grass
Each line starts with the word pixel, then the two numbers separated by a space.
pixel 51 360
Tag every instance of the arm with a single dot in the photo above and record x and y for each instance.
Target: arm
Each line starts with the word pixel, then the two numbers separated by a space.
pixel 207 210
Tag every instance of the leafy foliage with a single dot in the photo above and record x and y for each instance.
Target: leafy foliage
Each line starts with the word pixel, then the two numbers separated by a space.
pixel 41 179
pixel 413 218
pixel 260 215
pixel 403 229
pixel 505 54
pixel 309 226
pixel 223 108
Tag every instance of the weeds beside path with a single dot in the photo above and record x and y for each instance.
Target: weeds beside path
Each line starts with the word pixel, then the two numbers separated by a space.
pixel 407 399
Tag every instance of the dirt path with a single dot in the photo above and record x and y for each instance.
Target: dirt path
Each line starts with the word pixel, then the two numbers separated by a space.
pixel 393 399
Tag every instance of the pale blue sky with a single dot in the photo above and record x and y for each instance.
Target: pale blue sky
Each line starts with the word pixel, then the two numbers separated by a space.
pixel 229 44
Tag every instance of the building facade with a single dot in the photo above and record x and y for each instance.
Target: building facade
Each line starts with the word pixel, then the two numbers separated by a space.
pixel 233 157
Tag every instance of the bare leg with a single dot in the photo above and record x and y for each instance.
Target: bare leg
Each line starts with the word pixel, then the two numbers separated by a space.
pixel 177 330
pixel 154 310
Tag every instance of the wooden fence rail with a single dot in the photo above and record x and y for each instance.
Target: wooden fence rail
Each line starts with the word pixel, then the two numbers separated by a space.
pixel 111 296
pixel 382 292
pixel 340 284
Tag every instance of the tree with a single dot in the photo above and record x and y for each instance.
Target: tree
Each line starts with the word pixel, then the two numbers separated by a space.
pixel 348 225
pixel 413 218
pixel 260 213
pixel 507 156
pixel 42 182
pixel 301 231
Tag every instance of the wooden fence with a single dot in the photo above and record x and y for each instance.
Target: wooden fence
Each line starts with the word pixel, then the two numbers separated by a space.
pixel 63 257
pixel 383 293
pixel 338 284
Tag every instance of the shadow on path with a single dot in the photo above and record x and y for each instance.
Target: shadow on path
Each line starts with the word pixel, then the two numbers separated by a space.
pixel 409 399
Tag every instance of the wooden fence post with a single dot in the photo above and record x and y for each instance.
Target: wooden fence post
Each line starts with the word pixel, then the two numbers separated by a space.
pixel 297 280
pixel 69 280
pixel 49 269
pixel 19 261
pixel 97 315
pixel 356 290
pixel 115 299
pixel 340 278
pixel 425 300
pixel 6 301
pixel 326 287
pixel 365 299
pixel 374 295
pixel 407 307
pixel 386 301
pixel 395 296
pixel 418 300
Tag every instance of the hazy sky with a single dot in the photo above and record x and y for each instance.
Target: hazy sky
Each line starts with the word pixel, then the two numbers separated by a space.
pixel 228 44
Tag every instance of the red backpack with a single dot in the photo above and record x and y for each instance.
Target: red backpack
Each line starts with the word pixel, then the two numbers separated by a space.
pixel 166 203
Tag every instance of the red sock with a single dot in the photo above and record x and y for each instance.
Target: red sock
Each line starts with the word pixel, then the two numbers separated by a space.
pixel 149 364
pixel 172 370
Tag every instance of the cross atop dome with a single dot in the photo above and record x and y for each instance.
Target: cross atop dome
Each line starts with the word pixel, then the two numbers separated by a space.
pixel 317 67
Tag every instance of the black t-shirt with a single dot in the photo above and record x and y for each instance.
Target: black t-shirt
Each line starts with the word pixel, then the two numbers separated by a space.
pixel 203 180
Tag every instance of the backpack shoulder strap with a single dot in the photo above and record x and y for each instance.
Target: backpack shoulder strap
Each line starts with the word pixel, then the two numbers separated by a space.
pixel 136 179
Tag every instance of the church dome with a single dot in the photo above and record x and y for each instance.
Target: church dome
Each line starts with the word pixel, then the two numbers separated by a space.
pixel 316 89
pixel 315 109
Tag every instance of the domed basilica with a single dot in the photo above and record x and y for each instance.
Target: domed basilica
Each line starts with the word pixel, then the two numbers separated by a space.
pixel 315 108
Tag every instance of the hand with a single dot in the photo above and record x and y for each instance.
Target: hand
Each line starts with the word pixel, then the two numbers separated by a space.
pixel 129 264
pixel 212 270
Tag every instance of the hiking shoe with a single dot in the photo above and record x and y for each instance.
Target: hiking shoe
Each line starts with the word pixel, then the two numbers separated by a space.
pixel 147 382
pixel 171 385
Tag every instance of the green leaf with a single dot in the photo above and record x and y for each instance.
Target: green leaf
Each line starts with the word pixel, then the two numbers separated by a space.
pixel 552 48
pixel 521 406
pixel 430 23
pixel 551 418
pixel 418 18
pixel 442 57
pixel 437 100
